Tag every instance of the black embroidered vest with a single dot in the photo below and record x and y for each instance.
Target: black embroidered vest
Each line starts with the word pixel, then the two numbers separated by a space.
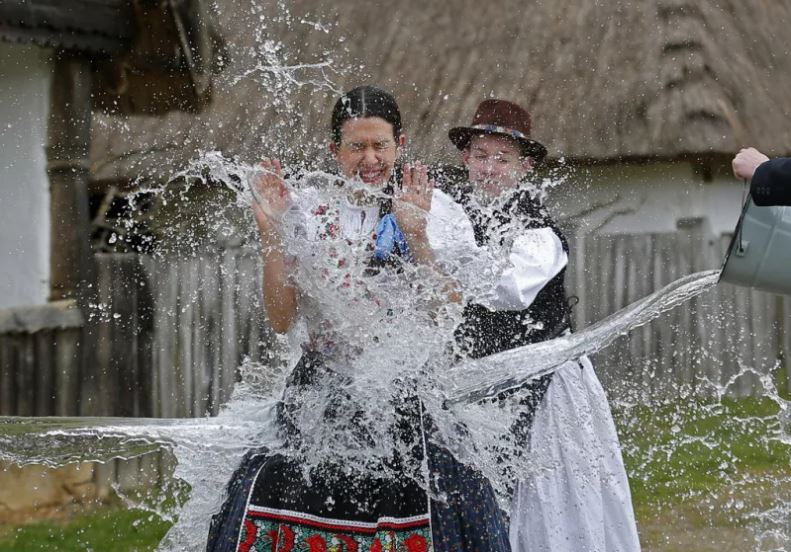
pixel 483 331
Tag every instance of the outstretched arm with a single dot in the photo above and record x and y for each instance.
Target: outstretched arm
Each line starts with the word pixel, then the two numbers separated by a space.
pixel 771 183
pixel 746 161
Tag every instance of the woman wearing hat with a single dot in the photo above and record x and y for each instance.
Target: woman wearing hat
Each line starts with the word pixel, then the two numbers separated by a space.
pixel 578 496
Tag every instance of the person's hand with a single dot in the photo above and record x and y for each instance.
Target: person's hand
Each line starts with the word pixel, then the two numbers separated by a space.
pixel 270 195
pixel 413 203
pixel 746 161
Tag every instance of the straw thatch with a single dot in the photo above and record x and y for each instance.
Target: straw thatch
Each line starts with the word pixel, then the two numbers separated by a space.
pixel 605 80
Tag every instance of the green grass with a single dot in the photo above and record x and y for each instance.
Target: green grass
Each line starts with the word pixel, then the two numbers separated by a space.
pixel 684 449
pixel 700 472
pixel 110 528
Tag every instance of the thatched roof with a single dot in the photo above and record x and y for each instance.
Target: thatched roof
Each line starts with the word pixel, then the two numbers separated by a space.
pixel 149 56
pixel 604 80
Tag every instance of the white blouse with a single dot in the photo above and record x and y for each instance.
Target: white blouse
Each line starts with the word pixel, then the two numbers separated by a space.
pixel 536 256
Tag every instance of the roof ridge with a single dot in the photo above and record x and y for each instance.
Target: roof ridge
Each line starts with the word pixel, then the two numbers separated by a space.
pixel 690 91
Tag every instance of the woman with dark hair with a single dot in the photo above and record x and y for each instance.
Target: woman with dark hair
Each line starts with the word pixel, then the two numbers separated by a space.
pixel 271 503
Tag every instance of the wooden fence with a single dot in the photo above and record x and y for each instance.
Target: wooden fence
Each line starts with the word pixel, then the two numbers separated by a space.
pixel 712 337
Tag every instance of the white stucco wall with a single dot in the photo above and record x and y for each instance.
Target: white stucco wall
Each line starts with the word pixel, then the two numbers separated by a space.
pixel 646 198
pixel 25 76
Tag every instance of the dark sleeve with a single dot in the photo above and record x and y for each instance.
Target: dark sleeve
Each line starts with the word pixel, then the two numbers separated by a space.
pixel 771 184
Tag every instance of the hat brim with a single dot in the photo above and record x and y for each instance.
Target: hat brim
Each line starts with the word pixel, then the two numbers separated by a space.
pixel 461 136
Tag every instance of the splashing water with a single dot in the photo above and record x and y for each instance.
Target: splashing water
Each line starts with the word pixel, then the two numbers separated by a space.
pixel 515 367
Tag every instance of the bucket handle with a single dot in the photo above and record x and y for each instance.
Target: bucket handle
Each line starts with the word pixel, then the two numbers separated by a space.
pixel 745 195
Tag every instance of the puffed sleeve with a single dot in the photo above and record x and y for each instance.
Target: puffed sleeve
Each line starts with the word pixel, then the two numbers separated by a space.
pixel 484 274
pixel 536 257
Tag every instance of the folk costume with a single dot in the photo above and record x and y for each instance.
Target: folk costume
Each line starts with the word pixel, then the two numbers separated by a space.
pixel 578 496
pixel 271 506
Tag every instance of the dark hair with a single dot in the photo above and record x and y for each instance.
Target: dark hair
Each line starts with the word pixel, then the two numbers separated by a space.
pixel 365 101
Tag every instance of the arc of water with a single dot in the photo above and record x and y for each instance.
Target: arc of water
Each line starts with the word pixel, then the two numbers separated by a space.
pixel 100 439
pixel 487 377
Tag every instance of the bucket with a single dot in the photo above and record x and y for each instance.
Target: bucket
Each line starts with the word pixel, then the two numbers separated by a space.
pixel 759 255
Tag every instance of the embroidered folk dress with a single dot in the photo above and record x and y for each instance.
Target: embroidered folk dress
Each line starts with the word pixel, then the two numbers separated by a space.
pixel 270 505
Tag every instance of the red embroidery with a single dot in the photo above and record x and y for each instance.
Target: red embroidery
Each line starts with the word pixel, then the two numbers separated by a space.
pixel 287 543
pixel 376 546
pixel 250 532
pixel 320 210
pixel 316 544
pixel 349 542
pixel 416 543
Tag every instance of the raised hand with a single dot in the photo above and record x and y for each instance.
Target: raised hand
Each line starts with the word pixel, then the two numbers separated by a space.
pixel 413 203
pixel 271 197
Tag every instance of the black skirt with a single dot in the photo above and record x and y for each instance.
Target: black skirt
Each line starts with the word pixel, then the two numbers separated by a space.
pixel 270 504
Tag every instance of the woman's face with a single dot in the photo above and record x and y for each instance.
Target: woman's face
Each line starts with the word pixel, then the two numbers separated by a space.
pixel 367 150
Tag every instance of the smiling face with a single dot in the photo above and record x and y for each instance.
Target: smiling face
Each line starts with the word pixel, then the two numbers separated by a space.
pixel 368 149
pixel 495 164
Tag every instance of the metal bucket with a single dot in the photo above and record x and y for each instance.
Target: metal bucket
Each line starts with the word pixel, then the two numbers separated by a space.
pixel 759 255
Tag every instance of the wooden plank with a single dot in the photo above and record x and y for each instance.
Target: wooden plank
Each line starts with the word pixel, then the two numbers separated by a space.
pixel 9 367
pixel 134 377
pixel 665 339
pixel 124 335
pixel 635 284
pixel 764 336
pixel 149 470
pixel 577 286
pixel 186 355
pixel 44 400
pixel 746 341
pixel 224 376
pixel 55 315
pixel 98 381
pixel 206 334
pixel 171 380
pixel 26 377
pixel 145 340
pixel 127 474
pixel 150 357
pixel 67 377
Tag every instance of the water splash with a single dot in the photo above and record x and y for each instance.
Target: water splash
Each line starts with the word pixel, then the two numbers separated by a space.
pixel 486 378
